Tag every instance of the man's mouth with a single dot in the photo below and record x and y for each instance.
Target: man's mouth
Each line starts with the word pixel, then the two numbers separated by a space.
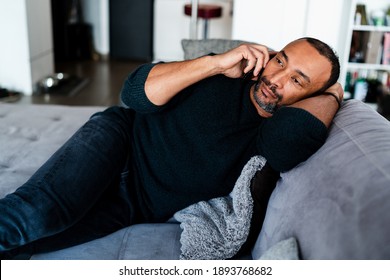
pixel 266 96
pixel 268 91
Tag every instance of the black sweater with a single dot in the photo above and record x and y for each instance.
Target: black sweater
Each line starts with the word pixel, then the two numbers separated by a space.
pixel 194 147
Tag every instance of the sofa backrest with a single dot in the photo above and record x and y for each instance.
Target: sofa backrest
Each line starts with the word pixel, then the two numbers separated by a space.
pixel 337 203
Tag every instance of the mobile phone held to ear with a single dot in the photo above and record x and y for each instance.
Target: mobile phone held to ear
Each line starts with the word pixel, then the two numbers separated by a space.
pixel 249 75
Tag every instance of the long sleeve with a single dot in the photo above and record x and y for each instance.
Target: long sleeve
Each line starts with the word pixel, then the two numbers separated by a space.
pixel 133 91
pixel 289 137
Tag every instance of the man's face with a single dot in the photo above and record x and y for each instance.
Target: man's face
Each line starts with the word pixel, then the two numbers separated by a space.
pixel 294 73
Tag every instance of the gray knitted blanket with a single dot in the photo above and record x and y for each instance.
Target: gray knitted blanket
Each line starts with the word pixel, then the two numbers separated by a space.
pixel 216 229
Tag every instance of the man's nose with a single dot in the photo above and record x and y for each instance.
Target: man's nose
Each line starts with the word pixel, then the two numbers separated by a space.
pixel 277 79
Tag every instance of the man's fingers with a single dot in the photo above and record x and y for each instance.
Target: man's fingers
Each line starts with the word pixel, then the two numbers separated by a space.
pixel 256 57
pixel 263 52
pixel 246 59
pixel 337 89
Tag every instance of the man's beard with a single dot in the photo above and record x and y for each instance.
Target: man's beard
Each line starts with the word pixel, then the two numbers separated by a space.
pixel 269 107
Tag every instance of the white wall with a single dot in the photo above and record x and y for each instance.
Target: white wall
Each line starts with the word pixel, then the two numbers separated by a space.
pixel 277 22
pixel 15 73
pixel 328 21
pixel 26 48
pixel 273 23
pixel 96 12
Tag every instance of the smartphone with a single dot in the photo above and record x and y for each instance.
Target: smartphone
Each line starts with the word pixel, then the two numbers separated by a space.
pixel 249 75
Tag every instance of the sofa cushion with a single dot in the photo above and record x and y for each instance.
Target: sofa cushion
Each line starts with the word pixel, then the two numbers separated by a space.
pixel 283 250
pixel 337 202
pixel 137 242
pixel 32 133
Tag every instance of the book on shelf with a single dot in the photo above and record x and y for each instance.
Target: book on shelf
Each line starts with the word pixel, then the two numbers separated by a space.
pixel 370 47
pixel 358 46
pixel 374 48
pixel 386 49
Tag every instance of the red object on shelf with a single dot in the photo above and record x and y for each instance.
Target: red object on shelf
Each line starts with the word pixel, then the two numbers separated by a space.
pixel 205 12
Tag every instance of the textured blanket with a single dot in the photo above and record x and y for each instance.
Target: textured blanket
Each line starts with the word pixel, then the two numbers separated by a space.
pixel 216 229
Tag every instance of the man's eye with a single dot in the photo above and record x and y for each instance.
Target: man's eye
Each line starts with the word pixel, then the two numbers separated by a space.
pixel 279 61
pixel 296 81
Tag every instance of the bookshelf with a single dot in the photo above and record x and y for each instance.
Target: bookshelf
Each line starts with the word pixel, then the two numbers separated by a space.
pixel 371 28
pixel 363 59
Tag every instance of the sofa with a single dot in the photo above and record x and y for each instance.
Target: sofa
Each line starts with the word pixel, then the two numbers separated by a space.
pixel 335 205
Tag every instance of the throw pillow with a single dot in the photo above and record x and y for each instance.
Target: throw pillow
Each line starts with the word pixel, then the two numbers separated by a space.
pixel 262 186
pixel 196 48
pixel 283 250
pixel 216 229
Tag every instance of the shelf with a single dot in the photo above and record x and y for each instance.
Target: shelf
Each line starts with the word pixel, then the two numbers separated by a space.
pixel 371 28
pixel 379 67
pixel 358 38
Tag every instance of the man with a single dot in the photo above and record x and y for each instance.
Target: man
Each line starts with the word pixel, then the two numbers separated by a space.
pixel 190 128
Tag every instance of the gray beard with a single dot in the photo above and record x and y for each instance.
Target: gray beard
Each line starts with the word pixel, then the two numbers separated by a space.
pixel 269 108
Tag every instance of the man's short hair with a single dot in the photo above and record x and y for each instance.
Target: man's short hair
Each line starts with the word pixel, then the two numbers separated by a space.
pixel 326 51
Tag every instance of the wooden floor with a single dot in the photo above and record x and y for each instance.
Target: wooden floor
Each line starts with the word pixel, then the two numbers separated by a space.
pixel 103 82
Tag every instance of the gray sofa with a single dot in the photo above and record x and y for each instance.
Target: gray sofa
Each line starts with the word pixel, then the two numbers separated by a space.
pixel 335 205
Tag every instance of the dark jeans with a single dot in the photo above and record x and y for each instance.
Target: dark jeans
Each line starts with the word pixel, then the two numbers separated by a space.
pixel 84 191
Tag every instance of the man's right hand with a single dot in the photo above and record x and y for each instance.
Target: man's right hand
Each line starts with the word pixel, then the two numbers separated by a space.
pixel 242 59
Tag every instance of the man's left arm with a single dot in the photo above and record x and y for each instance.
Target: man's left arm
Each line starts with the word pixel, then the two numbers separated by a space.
pixel 323 106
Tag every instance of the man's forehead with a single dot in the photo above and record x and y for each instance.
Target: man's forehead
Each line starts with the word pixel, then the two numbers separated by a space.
pixel 307 59
pixel 299 47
